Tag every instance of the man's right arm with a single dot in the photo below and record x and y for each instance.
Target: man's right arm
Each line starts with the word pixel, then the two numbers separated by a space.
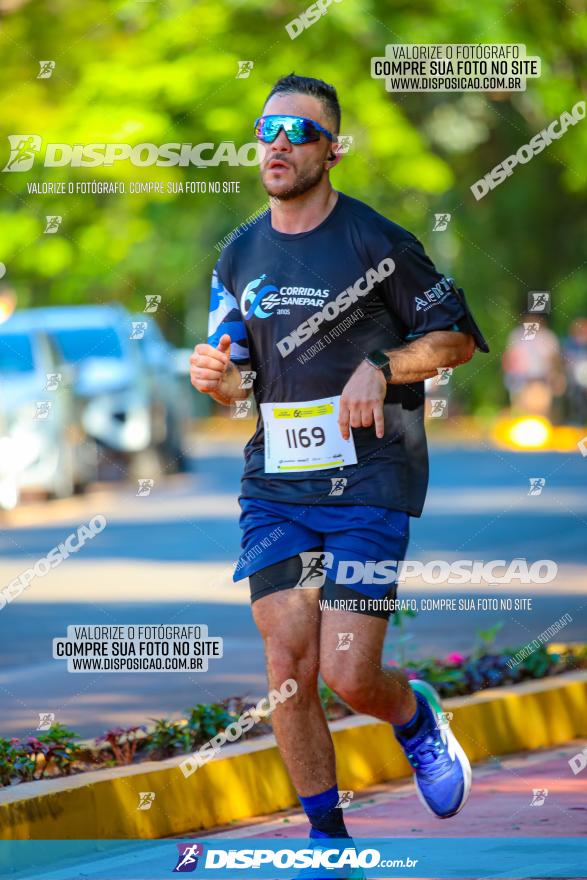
pixel 212 372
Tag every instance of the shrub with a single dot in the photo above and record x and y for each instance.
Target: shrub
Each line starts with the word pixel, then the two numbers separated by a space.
pixel 122 741
pixel 167 738
pixel 60 749
pixel 205 720
pixel 25 757
pixel 6 760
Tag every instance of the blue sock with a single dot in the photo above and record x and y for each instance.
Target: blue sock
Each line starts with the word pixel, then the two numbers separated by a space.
pixel 411 727
pixel 324 814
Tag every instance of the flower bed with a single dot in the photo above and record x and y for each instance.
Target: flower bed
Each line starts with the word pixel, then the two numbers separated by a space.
pixel 458 675
pixel 59 751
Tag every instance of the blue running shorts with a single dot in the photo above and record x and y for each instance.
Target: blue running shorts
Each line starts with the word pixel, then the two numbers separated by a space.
pixel 350 552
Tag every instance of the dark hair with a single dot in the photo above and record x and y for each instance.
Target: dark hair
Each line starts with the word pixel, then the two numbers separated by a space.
pixel 307 85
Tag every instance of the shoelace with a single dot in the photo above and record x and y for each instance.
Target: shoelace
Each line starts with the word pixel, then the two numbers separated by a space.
pixel 424 756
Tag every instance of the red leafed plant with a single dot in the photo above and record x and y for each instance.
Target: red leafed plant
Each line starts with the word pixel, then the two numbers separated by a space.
pixel 122 741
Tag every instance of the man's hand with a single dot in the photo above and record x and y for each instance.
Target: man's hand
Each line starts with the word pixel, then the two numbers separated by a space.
pixel 208 365
pixel 361 402
pixel 212 372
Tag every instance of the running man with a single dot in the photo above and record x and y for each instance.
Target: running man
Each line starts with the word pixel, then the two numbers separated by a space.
pixel 341 316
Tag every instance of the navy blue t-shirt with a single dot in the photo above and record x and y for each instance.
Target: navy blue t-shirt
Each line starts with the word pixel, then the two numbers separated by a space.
pixel 304 309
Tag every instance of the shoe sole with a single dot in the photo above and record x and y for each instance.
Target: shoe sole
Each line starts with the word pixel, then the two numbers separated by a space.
pixel 428 692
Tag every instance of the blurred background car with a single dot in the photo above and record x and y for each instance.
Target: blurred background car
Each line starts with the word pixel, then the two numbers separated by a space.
pixel 167 387
pixel 122 380
pixel 42 448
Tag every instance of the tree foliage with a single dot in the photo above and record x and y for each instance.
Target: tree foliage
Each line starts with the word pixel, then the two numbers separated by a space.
pixel 165 71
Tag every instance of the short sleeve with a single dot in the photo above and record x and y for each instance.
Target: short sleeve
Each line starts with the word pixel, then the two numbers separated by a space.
pixel 225 317
pixel 423 298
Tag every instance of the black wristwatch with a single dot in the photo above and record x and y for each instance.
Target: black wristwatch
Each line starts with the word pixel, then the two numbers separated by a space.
pixel 380 361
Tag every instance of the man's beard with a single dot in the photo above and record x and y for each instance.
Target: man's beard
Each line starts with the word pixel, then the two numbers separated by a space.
pixel 303 183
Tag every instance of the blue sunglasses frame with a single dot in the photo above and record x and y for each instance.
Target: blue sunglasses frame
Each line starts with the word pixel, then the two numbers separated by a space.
pixel 312 130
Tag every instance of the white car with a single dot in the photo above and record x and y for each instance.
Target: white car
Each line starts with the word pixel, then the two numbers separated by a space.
pixel 41 447
pixel 102 346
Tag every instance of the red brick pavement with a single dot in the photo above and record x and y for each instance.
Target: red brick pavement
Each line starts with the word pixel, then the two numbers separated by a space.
pixel 500 805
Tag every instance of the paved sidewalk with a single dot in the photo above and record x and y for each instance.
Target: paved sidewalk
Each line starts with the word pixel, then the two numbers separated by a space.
pixel 508 800
pixel 530 795
pixel 500 805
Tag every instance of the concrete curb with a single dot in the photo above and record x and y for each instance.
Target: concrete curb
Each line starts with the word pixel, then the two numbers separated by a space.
pixel 249 779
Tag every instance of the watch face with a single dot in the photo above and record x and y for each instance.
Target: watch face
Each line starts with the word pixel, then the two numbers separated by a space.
pixel 379 359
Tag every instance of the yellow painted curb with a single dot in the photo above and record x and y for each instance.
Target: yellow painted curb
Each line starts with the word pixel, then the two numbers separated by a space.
pixel 250 779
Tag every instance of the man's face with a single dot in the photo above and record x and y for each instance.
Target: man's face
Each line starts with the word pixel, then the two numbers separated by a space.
pixel 288 170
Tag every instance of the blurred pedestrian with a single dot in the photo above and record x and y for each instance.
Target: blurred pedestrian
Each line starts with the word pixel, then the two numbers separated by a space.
pixel 532 366
pixel 575 362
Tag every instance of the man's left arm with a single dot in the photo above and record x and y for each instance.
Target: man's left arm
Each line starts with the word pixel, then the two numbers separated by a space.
pixel 361 403
pixel 442 333
pixel 422 358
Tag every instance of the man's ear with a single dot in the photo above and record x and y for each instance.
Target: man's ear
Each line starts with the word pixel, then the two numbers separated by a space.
pixel 334 157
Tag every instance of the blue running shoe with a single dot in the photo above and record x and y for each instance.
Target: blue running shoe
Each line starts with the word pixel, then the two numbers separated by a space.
pixel 442 770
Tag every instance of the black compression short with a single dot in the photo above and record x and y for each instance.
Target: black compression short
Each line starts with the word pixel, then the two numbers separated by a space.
pixel 286 575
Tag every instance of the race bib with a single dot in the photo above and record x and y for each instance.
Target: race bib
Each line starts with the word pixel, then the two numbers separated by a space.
pixel 305 436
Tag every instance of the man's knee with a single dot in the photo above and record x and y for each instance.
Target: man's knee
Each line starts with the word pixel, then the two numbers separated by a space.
pixel 349 681
pixel 290 661
pixel 291 635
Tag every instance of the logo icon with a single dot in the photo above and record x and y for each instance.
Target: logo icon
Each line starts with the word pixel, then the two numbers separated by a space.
pixel 46 69
pixel 240 409
pixel 247 379
pixel 46 719
pixel 531 328
pixel 146 799
pixel 344 641
pixel 139 328
pixel 244 69
pixel 539 301
pixel 539 795
pixel 314 565
pixel 443 720
pixel 344 799
pixel 441 222
pixel 343 144
pixel 537 484
pixel 444 374
pixel 257 303
pixel 338 485
pixel 52 381
pixel 53 223
pixel 438 408
pixel 152 301
pixel 43 410
pixel 22 151
pixel 144 488
pixel 187 859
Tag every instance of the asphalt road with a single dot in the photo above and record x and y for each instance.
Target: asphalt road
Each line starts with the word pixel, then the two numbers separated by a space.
pixel 166 558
